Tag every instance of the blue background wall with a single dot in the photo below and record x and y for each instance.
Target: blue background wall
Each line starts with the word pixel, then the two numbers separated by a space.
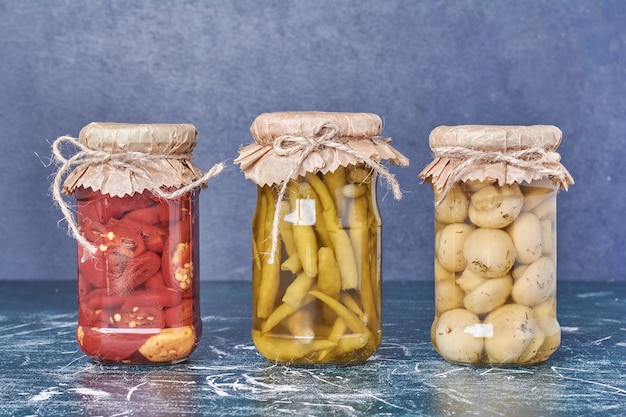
pixel 218 64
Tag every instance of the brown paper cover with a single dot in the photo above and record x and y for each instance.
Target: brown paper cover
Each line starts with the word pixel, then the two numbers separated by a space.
pixel 167 162
pixel 359 132
pixel 495 143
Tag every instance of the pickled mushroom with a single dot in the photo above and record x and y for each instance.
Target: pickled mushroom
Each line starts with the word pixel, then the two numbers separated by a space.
pixel 489 252
pixel 453 342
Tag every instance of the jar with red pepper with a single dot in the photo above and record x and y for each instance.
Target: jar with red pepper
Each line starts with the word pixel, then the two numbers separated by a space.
pixel 136 223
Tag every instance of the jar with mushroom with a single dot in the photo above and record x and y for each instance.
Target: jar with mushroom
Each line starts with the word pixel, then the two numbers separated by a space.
pixel 495 191
pixel 316 242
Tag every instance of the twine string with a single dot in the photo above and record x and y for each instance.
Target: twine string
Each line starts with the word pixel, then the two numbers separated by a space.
pixel 535 159
pixel 130 160
pixel 324 135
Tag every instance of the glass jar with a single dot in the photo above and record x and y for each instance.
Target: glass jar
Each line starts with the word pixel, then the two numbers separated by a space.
pixel 137 224
pixel 316 272
pixel 495 193
pixel 138 297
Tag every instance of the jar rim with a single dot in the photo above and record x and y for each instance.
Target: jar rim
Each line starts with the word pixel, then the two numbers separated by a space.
pixel 269 126
pixel 157 138
pixel 496 137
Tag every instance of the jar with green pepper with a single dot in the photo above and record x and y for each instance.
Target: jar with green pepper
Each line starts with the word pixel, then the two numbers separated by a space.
pixel 316 235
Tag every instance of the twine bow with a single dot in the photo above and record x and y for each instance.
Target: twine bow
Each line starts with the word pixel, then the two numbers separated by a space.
pixel 324 135
pixel 130 160
pixel 535 159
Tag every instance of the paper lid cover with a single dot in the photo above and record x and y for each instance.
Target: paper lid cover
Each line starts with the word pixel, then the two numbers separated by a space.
pixel 130 158
pixel 354 136
pixel 506 154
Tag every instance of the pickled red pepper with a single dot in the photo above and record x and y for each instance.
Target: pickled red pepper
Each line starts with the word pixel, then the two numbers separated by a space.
pixel 137 232
pixel 322 227
pixel 139 288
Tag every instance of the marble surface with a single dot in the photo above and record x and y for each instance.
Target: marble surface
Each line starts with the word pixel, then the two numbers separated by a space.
pixel 43 373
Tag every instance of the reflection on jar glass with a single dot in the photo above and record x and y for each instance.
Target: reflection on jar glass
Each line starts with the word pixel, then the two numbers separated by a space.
pixel 503 391
pixel 153 391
